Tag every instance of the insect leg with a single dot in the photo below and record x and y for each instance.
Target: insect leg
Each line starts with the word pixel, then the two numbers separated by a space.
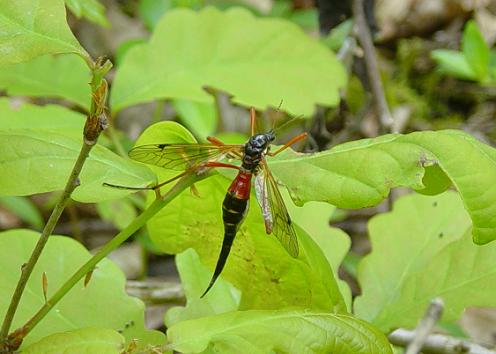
pixel 288 144
pixel 252 120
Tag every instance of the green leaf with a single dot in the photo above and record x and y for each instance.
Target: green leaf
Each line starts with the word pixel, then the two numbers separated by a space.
pixel 258 61
pixel 62 76
pixel 151 11
pixel 199 117
pixel 338 34
pixel 119 212
pixel 314 217
pixel 80 341
pixel 222 298
pixel 33 28
pixel 431 255
pixel 361 173
pixel 93 10
pixel 258 265
pixel 476 50
pixel 38 148
pixel 278 331
pixel 103 302
pixel 24 209
pixel 453 63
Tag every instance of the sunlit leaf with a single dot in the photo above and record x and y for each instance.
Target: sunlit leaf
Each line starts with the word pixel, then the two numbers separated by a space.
pixel 360 173
pixel 61 76
pixel 103 302
pixel 429 254
pixel 476 50
pixel 278 331
pixel 33 28
pixel 222 298
pixel 80 341
pixel 258 61
pixel 38 148
pixel 452 62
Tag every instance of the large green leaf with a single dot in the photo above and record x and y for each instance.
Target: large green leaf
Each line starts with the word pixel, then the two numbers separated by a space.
pixel 427 240
pixel 361 173
pixel 277 331
pixel 93 10
pixel 194 275
pixel 80 341
pixel 258 265
pixel 258 61
pixel 103 302
pixel 38 148
pixel 62 76
pixel 32 28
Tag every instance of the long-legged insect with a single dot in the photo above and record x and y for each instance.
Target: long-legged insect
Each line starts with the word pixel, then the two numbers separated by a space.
pixel 195 157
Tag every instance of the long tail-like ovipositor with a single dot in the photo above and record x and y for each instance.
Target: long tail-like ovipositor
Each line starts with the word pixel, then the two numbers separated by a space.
pixel 234 210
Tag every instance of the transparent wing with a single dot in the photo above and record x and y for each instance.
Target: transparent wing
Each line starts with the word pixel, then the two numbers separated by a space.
pixel 183 156
pixel 282 226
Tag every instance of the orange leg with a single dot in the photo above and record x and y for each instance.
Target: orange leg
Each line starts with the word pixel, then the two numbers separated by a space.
pixel 215 141
pixel 220 164
pixel 252 120
pixel 288 144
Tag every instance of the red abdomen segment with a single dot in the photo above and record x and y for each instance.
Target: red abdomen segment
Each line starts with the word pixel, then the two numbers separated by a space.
pixel 241 186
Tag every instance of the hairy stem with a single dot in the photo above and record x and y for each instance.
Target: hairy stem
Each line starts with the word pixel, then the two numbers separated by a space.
pixel 122 236
pixel 95 123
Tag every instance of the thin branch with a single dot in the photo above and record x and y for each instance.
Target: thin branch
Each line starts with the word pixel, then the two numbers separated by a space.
pixel 365 39
pixel 88 267
pixel 425 326
pixel 95 123
pixel 438 343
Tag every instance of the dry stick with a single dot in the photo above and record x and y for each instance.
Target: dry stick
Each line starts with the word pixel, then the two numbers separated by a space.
pixel 425 326
pixel 438 343
pixel 365 39
pixel 95 123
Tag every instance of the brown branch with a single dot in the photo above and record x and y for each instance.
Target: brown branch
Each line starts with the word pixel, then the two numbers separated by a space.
pixel 365 38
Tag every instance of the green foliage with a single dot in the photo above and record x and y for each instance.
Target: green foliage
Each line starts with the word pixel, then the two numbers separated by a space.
pixel 192 222
pixel 82 306
pixel 39 145
pixel 93 10
pixel 395 160
pixel 119 212
pixel 473 62
pixel 199 117
pixel 222 298
pixel 30 30
pixel 257 331
pixel 258 61
pixel 24 209
pixel 80 341
pixel 430 254
pixel 62 76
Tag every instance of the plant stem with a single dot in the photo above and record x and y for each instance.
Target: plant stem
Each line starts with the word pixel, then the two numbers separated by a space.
pixel 122 236
pixel 95 123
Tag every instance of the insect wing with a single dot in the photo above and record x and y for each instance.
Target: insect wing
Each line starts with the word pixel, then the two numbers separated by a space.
pixel 182 156
pixel 282 226
pixel 263 200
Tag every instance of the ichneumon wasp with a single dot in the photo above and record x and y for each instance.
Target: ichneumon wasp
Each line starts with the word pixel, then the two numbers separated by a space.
pixel 194 158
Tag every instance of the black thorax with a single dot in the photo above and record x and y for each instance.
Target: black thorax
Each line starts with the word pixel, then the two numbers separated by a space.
pixel 255 148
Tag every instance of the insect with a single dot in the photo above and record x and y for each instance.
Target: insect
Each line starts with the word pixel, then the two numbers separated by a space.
pixel 197 157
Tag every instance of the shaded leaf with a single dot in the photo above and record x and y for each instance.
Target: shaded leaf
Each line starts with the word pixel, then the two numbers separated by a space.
pixel 24 209
pixel 33 28
pixel 258 61
pixel 80 341
pixel 360 173
pixel 119 212
pixel 278 331
pixel 200 118
pixel 38 148
pixel 62 76
pixel 430 255
pixel 93 10
pixel 102 303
